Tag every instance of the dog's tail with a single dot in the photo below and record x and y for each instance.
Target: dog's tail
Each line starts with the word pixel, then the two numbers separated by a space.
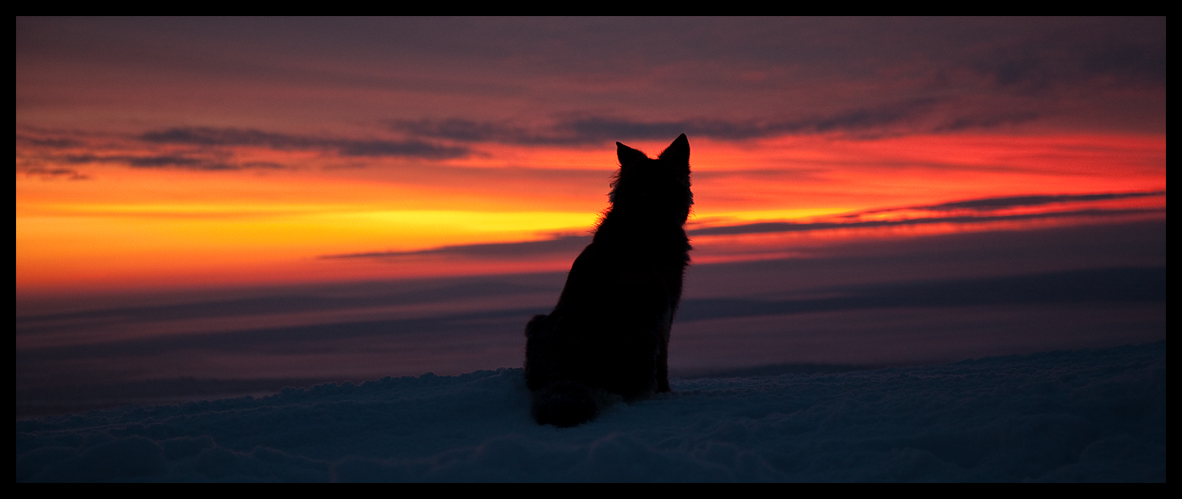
pixel 567 403
pixel 557 399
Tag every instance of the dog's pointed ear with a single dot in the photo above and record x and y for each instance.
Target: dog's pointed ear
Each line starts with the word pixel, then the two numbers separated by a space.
pixel 628 155
pixel 677 152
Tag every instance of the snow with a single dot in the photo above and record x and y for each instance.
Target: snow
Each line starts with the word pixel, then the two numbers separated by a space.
pixel 1078 415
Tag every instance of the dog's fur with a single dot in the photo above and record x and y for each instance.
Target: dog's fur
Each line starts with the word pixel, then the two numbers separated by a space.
pixel 608 337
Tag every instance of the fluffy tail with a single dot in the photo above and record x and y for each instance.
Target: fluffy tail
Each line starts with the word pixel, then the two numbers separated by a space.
pixel 566 403
pixel 558 400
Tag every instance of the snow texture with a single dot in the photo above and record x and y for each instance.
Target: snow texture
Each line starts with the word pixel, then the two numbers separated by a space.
pixel 1084 415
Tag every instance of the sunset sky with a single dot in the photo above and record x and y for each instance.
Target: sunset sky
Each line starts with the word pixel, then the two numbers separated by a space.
pixel 178 152
pixel 183 155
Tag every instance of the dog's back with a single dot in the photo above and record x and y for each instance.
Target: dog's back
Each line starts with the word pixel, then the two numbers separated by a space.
pixel 608 336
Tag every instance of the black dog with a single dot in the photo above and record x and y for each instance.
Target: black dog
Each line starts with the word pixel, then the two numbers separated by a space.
pixel 608 337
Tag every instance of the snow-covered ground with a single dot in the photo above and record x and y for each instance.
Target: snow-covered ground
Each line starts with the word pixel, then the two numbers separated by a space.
pixel 1082 415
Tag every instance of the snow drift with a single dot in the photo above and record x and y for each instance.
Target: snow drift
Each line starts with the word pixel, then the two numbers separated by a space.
pixel 1084 415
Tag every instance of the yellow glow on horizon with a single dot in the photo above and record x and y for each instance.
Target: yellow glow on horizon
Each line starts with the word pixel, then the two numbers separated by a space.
pixel 284 235
pixel 124 226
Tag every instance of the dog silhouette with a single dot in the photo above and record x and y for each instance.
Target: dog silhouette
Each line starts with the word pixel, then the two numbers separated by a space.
pixel 607 339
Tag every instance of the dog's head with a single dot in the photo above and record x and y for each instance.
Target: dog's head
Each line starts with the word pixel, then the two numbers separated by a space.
pixel 654 186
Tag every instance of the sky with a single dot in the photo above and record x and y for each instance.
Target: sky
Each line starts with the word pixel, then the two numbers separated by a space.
pixel 165 158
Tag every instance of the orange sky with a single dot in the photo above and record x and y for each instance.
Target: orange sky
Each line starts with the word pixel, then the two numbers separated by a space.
pixel 198 161
pixel 124 227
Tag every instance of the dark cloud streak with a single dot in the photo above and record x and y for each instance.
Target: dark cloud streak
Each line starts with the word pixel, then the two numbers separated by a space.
pixel 68 173
pixel 1034 200
pixel 205 136
pixel 557 244
pixel 167 161
pixel 51 143
pixel 770 227
pixel 912 116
